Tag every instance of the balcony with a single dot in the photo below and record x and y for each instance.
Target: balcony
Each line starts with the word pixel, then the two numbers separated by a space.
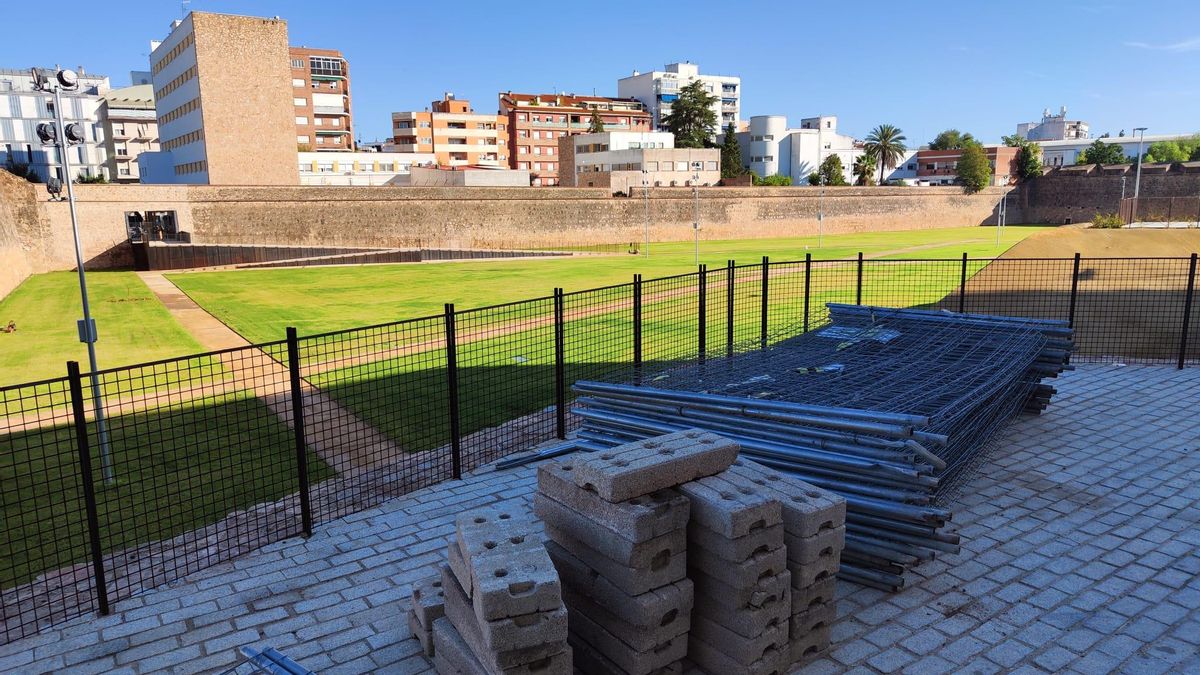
pixel 332 132
pixel 330 110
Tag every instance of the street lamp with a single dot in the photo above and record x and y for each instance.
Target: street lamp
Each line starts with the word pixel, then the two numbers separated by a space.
pixel 646 211
pixel 820 195
pixel 696 215
pixel 62 136
pixel 1137 181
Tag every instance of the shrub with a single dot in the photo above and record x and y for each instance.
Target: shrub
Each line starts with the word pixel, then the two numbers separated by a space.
pixel 1107 221
pixel 778 180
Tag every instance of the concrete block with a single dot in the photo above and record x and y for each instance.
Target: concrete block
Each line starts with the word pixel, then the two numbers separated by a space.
pixel 807 509
pixel 768 647
pixel 815 572
pixel 739 575
pixel 514 584
pixel 452 649
pixel 735 549
pixel 749 622
pixel 806 647
pixel 712 660
pixel 636 519
pixel 507 642
pixel 630 580
pixel 496 530
pixel 585 629
pixel 612 545
pixel 423 635
pixel 642 467
pixel 591 662
pixel 428 601
pixel 656 607
pixel 815 594
pixel 731 505
pixel 638 638
pixel 731 598
pixel 813 618
pixel 457 565
pixel 804 550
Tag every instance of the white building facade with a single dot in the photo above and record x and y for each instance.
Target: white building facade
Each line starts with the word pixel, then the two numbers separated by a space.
pixel 626 160
pixel 1066 153
pixel 22 108
pixel 658 89
pixel 1053 128
pixel 359 168
pixel 770 148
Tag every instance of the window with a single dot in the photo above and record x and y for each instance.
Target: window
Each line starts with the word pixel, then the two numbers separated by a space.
pixel 297 63
pixel 319 121
pixel 302 139
pixel 537 134
pixel 652 166
pixel 124 171
pixel 522 133
pixel 537 149
pixel 912 167
pixel 550 150
pixel 711 166
pixel 299 102
pixel 537 166
pixel 423 125
pixel 523 150
pixel 522 117
pixel 323 65
pixel 304 120
pixel 297 82
pixel 681 166
pixel 522 165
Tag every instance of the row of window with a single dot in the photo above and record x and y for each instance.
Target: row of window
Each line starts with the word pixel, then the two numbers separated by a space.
pixel 332 86
pixel 320 121
pixel 175 83
pixel 180 141
pixel 191 167
pixel 426 140
pixel 363 167
pixel 651 166
pixel 186 42
pixel 539 166
pixel 764 158
pixel 765 137
pixel 182 110
pixel 537 150
pixel 322 140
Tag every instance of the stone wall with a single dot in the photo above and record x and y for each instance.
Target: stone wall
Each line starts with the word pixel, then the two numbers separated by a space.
pixel 1060 198
pixel 18 219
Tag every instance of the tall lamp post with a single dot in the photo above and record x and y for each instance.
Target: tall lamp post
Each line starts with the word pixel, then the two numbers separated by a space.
pixel 1137 181
pixel 646 212
pixel 62 136
pixel 696 215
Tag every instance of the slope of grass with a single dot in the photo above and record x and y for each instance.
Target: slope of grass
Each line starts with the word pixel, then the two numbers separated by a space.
pixel 260 304
pixel 133 325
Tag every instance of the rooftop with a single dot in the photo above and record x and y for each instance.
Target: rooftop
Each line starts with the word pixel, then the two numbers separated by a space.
pixel 1081 553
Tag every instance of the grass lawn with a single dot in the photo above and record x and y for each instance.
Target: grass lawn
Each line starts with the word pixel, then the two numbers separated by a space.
pixel 175 470
pixel 260 304
pixel 133 325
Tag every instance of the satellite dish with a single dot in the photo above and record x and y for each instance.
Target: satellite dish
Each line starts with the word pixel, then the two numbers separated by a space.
pixel 54 187
pixel 67 78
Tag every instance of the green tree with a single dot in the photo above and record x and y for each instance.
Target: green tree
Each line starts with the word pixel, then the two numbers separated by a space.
pixel 1101 153
pixel 731 154
pixel 864 169
pixel 22 170
pixel 973 169
pixel 886 144
pixel 1173 151
pixel 951 139
pixel 1029 156
pixel 596 126
pixel 692 119
pixel 778 180
pixel 830 172
pixel 1195 156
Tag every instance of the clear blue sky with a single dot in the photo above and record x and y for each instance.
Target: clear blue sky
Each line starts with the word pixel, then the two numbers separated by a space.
pixel 978 65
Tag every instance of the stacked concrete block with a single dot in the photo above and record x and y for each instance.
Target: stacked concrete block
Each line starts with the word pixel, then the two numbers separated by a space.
pixel 428 605
pixel 814 531
pixel 618 536
pixel 738 563
pixel 504 612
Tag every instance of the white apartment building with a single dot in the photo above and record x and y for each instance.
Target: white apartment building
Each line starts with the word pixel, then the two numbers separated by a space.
pixel 1053 128
pixel 22 108
pixel 769 147
pixel 359 168
pixel 627 160
pixel 130 128
pixel 1066 153
pixel 658 89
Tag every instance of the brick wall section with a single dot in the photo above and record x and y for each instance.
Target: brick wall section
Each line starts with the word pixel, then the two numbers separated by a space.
pixel 1055 198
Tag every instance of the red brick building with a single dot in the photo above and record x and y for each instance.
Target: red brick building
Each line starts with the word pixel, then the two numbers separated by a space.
pixel 940 167
pixel 321 97
pixel 537 121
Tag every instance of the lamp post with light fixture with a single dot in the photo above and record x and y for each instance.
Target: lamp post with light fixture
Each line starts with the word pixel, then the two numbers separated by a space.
pixel 696 215
pixel 63 136
pixel 1137 181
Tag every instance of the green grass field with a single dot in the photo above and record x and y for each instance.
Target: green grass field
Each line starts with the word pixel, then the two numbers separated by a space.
pixel 133 325
pixel 261 304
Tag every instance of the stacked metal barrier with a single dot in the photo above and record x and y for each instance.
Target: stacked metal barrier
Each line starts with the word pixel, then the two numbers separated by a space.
pixel 888 408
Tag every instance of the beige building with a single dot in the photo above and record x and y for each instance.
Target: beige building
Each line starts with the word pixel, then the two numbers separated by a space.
pixel 627 161
pixel 453 132
pixel 130 128
pixel 223 96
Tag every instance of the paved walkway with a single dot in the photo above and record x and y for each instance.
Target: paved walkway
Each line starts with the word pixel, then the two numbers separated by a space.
pixel 1082 554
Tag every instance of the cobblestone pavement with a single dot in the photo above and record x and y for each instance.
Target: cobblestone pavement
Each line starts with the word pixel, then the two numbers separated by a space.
pixel 1082 554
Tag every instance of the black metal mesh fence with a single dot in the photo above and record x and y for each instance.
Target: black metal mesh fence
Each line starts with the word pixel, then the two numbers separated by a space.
pixel 202 458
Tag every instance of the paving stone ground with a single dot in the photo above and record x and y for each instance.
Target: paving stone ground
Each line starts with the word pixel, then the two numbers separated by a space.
pixel 1082 555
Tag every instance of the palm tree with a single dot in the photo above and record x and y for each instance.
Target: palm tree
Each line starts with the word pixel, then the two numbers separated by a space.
pixel 886 143
pixel 864 166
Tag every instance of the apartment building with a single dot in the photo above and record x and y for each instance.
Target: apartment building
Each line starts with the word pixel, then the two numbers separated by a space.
pixel 536 122
pixel 625 161
pixel 658 89
pixel 940 167
pixel 1053 128
pixel 321 98
pixel 130 128
pixel 453 132
pixel 22 108
pixel 770 147
pixel 224 101
pixel 358 168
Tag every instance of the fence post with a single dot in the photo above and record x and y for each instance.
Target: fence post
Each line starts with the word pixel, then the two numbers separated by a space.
pixel 858 295
pixel 89 488
pixel 560 384
pixel 766 286
pixel 452 385
pixel 1187 311
pixel 962 286
pixel 730 272
pixel 1074 292
pixel 293 350
pixel 807 285
pixel 637 326
pixel 702 329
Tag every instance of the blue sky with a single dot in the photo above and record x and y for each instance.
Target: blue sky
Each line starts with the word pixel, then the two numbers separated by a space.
pixel 978 65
